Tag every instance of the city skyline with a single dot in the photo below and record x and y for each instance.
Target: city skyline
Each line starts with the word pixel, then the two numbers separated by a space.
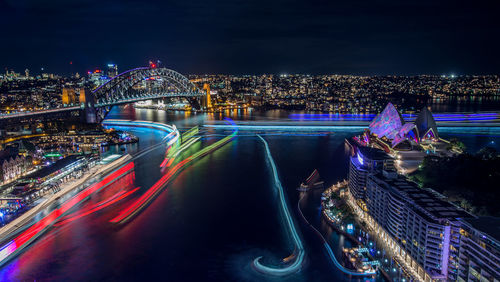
pixel 234 140
pixel 254 37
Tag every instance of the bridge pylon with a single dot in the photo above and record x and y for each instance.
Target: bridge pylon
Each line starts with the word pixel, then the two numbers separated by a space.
pixel 90 114
pixel 207 100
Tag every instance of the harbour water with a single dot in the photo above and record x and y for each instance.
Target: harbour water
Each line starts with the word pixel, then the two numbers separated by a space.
pixel 218 214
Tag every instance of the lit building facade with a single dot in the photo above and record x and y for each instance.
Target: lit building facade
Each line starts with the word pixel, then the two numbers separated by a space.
pixel 365 161
pixel 423 227
pixel 112 70
pixel 390 126
pixel 84 141
pixel 426 126
pixel 479 253
pixel 13 167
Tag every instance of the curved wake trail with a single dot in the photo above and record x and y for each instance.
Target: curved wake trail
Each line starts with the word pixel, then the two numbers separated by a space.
pixel 299 252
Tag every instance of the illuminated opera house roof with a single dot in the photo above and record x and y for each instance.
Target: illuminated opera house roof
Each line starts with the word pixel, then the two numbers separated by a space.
pixel 426 125
pixel 387 123
pixel 390 124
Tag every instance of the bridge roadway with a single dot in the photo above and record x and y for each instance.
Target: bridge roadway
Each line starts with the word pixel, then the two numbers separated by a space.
pixel 119 90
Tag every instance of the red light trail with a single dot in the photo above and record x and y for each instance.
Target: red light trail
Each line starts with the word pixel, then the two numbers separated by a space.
pixel 129 212
pixel 115 198
pixel 30 234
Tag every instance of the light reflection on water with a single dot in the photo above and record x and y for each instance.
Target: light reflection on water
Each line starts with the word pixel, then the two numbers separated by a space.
pixel 213 219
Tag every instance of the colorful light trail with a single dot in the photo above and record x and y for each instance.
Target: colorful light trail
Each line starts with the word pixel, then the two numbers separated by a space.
pixel 137 206
pixel 288 128
pixel 29 235
pixel 115 198
pixel 445 117
pixel 299 252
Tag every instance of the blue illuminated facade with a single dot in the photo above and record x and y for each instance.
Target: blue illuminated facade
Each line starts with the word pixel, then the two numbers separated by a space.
pixel 366 161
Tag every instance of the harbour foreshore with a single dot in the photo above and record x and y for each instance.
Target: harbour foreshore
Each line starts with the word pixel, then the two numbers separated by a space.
pixel 98 170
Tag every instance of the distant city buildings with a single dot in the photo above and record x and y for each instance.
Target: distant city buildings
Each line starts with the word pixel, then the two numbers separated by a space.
pixel 348 93
pixel 329 93
pixel 112 70
pixel 13 167
pixel 99 76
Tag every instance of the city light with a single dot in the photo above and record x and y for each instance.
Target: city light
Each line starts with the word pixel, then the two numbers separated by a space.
pixel 360 158
pixel 29 235
pixel 116 164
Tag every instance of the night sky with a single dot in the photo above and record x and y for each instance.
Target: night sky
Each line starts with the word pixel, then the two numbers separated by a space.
pixel 253 37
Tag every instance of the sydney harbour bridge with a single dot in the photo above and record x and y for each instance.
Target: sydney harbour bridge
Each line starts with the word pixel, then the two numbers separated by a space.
pixel 121 89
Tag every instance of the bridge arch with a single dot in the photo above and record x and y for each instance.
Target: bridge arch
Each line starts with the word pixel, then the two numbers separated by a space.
pixel 119 87
pixel 117 90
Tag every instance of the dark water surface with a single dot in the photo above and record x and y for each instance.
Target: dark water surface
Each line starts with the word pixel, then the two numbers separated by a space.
pixel 210 222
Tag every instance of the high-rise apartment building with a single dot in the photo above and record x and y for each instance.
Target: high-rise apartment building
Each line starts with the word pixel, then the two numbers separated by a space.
pixel 479 253
pixel 424 226
pixel 365 161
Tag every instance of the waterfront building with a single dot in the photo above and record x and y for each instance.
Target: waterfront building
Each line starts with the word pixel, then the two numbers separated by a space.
pixel 479 253
pixel 422 227
pixel 426 126
pixel 14 166
pixel 365 161
pixel 390 128
pixel 387 123
pixel 84 140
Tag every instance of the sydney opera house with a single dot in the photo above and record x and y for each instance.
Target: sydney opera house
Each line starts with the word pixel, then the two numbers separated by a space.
pixel 390 128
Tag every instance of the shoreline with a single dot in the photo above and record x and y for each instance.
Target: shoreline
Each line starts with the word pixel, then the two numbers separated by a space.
pixel 19 223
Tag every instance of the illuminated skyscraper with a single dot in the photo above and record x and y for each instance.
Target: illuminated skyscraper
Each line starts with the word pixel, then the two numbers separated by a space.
pixel 112 70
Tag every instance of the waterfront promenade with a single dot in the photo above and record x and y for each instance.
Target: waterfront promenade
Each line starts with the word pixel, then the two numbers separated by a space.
pixel 71 186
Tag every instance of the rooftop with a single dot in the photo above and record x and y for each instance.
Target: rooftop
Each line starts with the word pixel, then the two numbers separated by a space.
pixel 373 153
pixel 486 224
pixel 426 202
pixel 53 167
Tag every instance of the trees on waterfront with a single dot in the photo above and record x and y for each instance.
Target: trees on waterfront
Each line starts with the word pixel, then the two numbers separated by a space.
pixel 470 181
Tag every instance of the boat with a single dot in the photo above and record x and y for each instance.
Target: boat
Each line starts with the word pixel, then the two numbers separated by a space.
pixel 312 182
